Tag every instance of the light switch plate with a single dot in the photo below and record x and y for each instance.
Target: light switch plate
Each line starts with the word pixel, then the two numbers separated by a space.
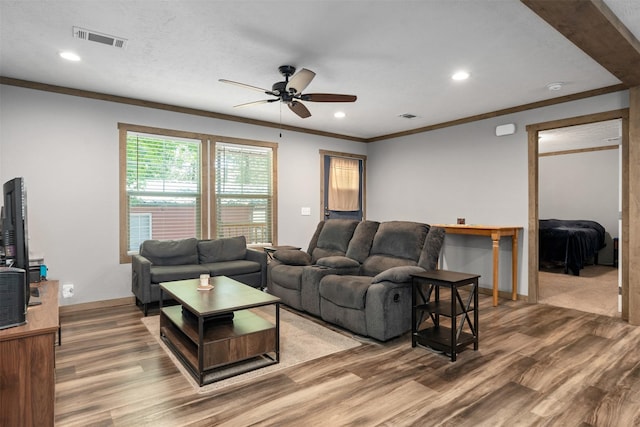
pixel 305 211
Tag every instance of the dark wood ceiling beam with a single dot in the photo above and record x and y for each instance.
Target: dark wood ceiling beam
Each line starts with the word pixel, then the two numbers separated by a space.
pixel 594 28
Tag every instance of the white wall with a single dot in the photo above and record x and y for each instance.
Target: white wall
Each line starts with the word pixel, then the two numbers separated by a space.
pixel 582 186
pixel 66 148
pixel 466 171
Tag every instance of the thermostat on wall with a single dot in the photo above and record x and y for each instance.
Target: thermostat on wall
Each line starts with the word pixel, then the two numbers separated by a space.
pixel 508 129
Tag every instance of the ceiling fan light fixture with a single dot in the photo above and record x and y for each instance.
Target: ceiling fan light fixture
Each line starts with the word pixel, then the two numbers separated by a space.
pixel 339 115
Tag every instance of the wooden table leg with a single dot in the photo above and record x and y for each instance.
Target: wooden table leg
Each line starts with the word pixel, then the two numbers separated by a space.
pixel 514 265
pixel 495 237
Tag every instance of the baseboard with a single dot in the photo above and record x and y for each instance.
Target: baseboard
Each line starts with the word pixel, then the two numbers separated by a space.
pixel 73 308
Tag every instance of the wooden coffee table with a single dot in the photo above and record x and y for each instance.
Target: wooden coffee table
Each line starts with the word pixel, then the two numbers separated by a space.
pixel 210 330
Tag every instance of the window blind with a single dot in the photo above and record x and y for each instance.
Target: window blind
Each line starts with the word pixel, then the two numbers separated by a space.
pixel 244 192
pixel 163 186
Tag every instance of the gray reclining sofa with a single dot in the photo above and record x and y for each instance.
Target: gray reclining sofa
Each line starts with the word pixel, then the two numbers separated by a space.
pixel 357 274
pixel 167 260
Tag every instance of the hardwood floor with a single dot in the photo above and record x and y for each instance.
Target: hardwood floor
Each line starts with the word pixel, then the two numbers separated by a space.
pixel 537 365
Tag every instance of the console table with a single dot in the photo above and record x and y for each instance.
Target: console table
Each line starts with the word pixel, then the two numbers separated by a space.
pixel 496 232
pixel 27 363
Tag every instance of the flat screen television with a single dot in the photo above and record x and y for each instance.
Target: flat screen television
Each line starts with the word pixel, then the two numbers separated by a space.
pixel 15 236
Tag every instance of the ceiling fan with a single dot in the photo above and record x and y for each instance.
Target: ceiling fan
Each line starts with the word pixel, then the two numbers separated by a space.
pixel 289 91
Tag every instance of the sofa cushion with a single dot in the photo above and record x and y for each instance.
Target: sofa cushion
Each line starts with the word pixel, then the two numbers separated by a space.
pixel 334 238
pixel 292 257
pixel 169 273
pixel 378 263
pixel 338 262
pixel 397 274
pixel 362 239
pixel 232 268
pixel 224 249
pixel 286 276
pixel 170 252
pixel 345 291
pixel 402 239
pixel 431 250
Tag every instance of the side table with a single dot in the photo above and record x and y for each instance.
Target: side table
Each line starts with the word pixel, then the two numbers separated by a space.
pixel 440 324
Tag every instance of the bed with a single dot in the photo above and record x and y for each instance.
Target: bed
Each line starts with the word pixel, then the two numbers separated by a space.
pixel 570 243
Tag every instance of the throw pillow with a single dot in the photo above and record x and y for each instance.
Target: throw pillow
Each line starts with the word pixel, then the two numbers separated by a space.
pixel 397 274
pixel 225 249
pixel 292 257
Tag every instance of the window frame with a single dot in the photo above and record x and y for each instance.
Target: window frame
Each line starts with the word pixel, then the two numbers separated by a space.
pixel 274 179
pixel 207 172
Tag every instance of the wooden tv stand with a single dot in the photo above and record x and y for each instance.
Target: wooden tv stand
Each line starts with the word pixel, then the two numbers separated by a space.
pixel 27 363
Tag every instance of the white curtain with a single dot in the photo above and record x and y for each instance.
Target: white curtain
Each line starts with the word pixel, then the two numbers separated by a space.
pixel 344 184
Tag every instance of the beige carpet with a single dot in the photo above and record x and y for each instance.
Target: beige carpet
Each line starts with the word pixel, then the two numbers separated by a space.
pixel 594 291
pixel 301 340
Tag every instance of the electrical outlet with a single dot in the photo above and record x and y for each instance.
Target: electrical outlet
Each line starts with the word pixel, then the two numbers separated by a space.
pixel 67 290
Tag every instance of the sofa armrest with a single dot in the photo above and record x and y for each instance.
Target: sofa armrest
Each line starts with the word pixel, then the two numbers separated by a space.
pixel 141 278
pixel 292 257
pixel 338 262
pixel 260 257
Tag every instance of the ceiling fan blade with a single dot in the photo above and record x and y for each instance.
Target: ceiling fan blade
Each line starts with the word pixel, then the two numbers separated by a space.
pixel 299 109
pixel 259 89
pixel 328 97
pixel 300 81
pixel 251 104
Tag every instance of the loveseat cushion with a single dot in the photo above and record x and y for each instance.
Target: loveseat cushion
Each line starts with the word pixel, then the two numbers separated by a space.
pixel 334 238
pixel 292 257
pixel 170 252
pixel 362 239
pixel 169 273
pixel 401 239
pixel 345 291
pixel 286 276
pixel 376 264
pixel 338 262
pixel 224 249
pixel 232 268
pixel 431 250
pixel 397 274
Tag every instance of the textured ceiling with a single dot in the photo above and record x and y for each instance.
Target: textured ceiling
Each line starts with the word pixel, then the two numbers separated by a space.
pixel 396 56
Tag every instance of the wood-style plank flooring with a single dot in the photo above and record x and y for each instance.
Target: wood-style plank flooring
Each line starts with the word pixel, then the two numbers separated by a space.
pixel 537 365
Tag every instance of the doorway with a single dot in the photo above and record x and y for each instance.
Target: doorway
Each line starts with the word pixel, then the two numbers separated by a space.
pixel 534 192
pixel 579 206
pixel 343 185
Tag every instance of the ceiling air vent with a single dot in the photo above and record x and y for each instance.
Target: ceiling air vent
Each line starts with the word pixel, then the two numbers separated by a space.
pixel 94 36
pixel 408 116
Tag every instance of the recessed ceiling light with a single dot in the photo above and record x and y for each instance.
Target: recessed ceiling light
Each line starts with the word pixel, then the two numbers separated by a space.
pixel 70 56
pixel 460 75
pixel 555 86
pixel 339 115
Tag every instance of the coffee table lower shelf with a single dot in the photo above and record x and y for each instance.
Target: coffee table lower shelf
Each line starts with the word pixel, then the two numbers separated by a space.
pixel 225 348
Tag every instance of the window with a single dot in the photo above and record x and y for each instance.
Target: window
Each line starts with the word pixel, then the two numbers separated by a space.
pixel 244 192
pixel 176 184
pixel 161 187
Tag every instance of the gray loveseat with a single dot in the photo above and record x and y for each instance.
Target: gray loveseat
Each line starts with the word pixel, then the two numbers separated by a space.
pixel 357 274
pixel 167 260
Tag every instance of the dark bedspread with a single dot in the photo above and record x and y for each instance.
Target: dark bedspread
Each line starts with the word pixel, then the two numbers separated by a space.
pixel 570 242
